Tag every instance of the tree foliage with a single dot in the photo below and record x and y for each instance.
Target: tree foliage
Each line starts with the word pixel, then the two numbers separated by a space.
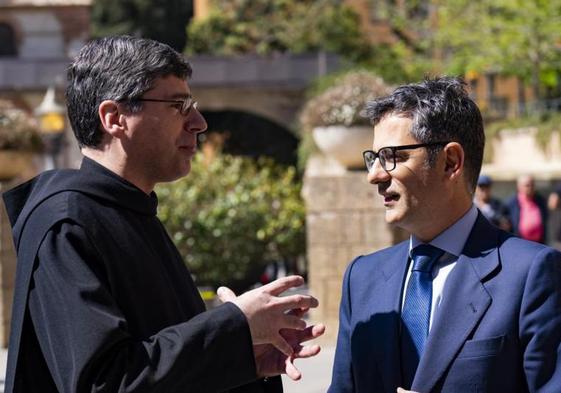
pixel 231 217
pixel 511 37
pixel 161 20
pixel 264 27
pixel 269 26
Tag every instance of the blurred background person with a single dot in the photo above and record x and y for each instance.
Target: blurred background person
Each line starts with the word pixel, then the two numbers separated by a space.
pixel 554 199
pixel 492 208
pixel 554 206
pixel 528 211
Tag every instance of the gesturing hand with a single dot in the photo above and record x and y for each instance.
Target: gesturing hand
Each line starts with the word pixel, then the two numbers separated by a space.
pixel 270 361
pixel 266 313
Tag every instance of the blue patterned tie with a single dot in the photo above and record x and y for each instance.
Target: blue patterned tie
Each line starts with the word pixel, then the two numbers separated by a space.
pixel 416 309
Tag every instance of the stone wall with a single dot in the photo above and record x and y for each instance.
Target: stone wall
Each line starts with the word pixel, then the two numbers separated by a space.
pixel 518 151
pixel 7 271
pixel 345 218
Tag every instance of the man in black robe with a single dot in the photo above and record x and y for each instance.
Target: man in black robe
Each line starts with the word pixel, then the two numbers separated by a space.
pixel 103 301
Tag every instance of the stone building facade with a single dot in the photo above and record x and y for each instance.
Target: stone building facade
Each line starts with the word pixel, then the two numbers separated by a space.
pixel 43 29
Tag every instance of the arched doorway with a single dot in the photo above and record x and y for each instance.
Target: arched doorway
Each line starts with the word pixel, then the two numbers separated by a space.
pixel 8 45
pixel 247 134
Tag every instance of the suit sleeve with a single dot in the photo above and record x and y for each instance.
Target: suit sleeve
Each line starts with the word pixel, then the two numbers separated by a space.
pixel 342 380
pixel 540 323
pixel 87 343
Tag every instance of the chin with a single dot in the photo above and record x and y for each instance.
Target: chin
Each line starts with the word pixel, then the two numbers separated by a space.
pixel 391 217
pixel 394 217
pixel 176 175
pixel 183 170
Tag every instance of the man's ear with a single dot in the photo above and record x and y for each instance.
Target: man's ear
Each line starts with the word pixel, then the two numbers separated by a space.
pixel 112 120
pixel 454 159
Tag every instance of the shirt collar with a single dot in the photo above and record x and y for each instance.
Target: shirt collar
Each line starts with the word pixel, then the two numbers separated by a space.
pixel 454 238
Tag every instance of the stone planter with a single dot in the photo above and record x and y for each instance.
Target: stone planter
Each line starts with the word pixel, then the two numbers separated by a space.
pixel 13 163
pixel 344 144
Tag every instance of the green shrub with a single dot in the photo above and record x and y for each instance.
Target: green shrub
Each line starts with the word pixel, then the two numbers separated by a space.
pixel 231 217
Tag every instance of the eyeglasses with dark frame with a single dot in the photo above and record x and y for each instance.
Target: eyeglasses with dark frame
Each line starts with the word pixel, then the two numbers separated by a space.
pixel 187 103
pixel 386 155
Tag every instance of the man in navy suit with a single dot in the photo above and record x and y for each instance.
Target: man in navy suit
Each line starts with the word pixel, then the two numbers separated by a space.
pixel 461 306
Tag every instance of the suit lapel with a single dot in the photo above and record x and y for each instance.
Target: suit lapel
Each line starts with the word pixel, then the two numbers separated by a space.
pixel 386 338
pixel 465 301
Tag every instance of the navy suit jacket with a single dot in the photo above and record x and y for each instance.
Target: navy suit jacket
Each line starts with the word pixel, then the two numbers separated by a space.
pixel 498 328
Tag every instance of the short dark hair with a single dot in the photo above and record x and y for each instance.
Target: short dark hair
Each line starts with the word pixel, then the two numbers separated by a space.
pixel 441 110
pixel 120 68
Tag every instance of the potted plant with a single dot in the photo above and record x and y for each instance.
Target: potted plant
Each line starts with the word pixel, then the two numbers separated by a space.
pixel 19 140
pixel 336 119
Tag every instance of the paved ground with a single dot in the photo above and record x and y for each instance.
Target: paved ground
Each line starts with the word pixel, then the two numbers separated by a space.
pixel 316 373
pixel 3 360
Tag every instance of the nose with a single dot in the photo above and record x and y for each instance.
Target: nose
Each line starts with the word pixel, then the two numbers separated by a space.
pixel 378 174
pixel 195 122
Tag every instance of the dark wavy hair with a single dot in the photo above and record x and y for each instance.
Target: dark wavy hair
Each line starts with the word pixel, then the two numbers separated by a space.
pixel 441 110
pixel 120 68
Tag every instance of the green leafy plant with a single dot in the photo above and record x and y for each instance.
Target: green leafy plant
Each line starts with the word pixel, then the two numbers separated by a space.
pixel 507 37
pixel 264 27
pixel 161 20
pixel 270 27
pixel 18 130
pixel 231 217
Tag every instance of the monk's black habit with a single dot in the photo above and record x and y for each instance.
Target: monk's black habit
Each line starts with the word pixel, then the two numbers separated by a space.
pixel 103 301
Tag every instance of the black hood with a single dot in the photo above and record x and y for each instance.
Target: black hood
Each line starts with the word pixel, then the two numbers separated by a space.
pixel 91 179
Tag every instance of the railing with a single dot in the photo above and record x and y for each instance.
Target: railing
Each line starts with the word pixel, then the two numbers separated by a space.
pixel 539 107
pixel 500 108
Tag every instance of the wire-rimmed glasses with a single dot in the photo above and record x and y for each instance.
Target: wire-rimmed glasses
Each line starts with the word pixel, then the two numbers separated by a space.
pixel 186 104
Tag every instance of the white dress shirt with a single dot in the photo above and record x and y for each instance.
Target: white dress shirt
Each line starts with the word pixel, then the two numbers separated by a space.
pixel 452 241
